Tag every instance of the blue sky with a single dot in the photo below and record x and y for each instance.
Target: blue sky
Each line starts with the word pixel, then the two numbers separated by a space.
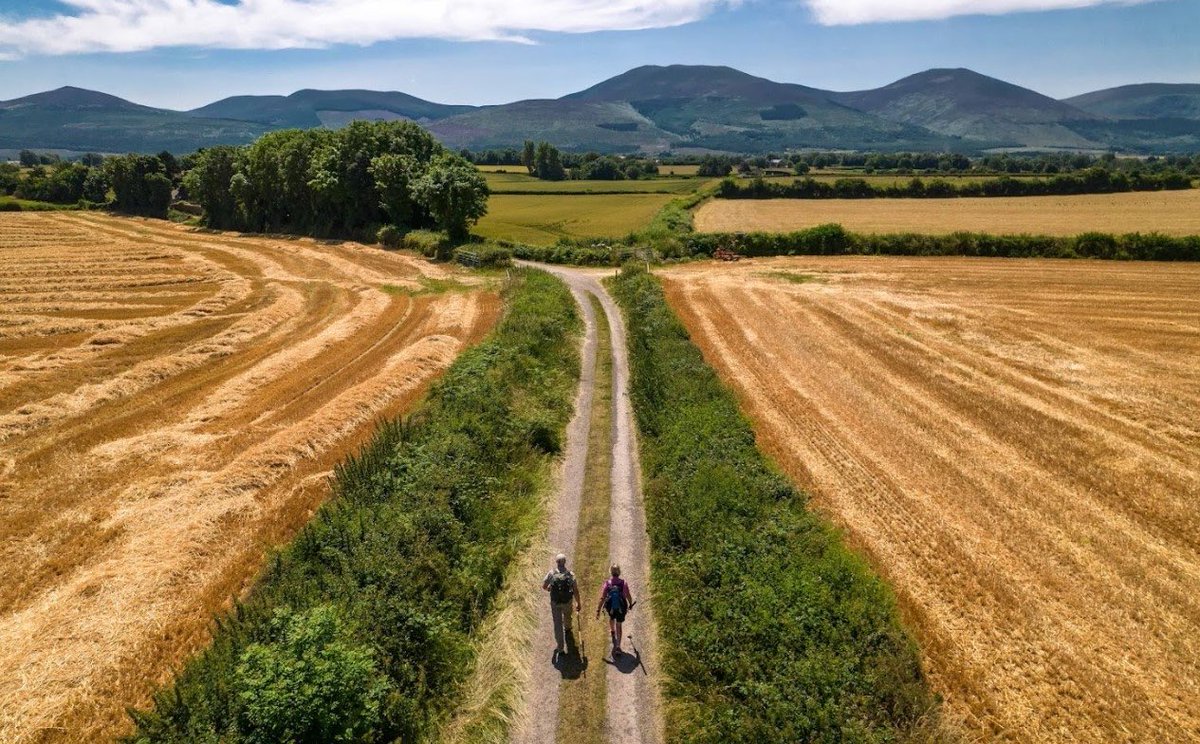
pixel 494 51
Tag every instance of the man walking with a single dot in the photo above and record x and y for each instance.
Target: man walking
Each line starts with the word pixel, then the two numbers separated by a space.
pixel 561 584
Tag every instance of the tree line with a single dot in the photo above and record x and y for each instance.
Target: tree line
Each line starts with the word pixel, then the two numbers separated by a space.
pixel 1091 181
pixel 929 163
pixel 133 184
pixel 347 182
pixel 545 161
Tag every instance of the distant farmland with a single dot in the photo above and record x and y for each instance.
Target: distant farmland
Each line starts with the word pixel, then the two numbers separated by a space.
pixel 1168 212
pixel 542 220
pixel 171 403
pixel 1016 446
pixel 501 183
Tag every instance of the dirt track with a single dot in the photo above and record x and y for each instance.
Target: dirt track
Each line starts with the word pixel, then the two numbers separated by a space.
pixel 170 404
pixel 632 704
pixel 1016 445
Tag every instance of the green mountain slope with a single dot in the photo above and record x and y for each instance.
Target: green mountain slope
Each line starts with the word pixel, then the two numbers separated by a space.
pixel 574 125
pixel 725 109
pixel 1145 101
pixel 314 108
pixel 81 120
pixel 651 109
pixel 964 103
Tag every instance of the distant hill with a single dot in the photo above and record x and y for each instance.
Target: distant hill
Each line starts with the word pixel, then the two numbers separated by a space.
pixel 573 125
pixel 721 108
pixel 334 108
pixel 976 107
pixel 82 120
pixel 1145 101
pixel 651 109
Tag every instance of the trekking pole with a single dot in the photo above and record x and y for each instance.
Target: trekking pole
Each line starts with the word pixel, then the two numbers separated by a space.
pixel 582 647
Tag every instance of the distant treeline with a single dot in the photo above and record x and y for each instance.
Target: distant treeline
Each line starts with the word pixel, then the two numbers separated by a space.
pixel 930 163
pixel 834 240
pixel 1091 181
pixel 347 182
pixel 134 184
pixel 545 161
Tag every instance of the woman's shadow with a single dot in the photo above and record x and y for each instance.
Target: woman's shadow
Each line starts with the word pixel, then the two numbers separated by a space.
pixel 628 663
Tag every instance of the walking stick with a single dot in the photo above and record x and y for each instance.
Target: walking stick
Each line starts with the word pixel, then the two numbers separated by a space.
pixel 582 647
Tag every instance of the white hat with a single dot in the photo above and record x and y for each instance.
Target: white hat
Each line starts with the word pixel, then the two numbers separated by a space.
pixel 560 558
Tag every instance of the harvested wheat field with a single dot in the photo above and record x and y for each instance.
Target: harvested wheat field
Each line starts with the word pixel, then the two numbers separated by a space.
pixel 1016 447
pixel 1167 212
pixel 170 405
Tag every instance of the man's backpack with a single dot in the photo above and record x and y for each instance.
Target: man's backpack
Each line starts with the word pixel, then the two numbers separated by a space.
pixel 560 587
pixel 615 601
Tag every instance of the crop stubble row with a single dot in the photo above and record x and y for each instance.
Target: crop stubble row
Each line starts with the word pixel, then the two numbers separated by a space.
pixel 1015 445
pixel 170 403
pixel 1168 212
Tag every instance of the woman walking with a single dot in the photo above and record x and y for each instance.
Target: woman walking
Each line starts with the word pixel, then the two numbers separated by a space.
pixel 616 600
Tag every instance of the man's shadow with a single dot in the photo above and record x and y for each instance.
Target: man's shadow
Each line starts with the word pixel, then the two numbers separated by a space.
pixel 572 663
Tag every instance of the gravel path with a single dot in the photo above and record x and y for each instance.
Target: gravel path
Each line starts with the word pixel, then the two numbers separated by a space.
pixel 632 694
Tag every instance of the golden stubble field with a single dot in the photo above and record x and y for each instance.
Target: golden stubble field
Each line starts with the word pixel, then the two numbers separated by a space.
pixel 1167 212
pixel 1016 447
pixel 171 403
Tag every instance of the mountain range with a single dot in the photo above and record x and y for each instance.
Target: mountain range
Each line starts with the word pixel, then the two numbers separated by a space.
pixel 652 109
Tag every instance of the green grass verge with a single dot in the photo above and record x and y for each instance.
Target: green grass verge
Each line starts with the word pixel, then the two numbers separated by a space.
pixel 429 286
pixel 361 629
pixel 13 204
pixel 771 629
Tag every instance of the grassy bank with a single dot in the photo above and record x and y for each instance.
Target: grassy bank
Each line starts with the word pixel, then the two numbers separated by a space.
pixel 772 630
pixel 361 629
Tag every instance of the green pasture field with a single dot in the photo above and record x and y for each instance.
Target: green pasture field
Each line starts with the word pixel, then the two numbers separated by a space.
pixel 502 183
pixel 12 203
pixel 542 220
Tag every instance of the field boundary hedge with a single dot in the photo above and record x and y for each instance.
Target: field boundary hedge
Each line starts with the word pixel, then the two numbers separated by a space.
pixel 835 240
pixel 1092 181
pixel 361 629
pixel 772 630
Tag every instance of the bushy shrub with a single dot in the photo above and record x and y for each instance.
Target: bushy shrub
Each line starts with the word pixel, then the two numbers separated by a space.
pixel 311 682
pixel 492 255
pixel 389 236
pixel 426 242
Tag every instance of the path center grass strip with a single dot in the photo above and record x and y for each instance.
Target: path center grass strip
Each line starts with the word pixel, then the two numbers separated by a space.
pixel 581 701
pixel 360 629
pixel 772 630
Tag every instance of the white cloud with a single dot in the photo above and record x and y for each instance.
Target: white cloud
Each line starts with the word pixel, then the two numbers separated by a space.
pixel 138 25
pixel 851 12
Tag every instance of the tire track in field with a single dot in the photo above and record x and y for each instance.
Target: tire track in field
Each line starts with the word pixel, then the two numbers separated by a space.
pixel 1016 454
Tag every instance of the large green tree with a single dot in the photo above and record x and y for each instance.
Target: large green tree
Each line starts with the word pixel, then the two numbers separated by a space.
pixel 140 185
pixel 455 193
pixel 548 163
